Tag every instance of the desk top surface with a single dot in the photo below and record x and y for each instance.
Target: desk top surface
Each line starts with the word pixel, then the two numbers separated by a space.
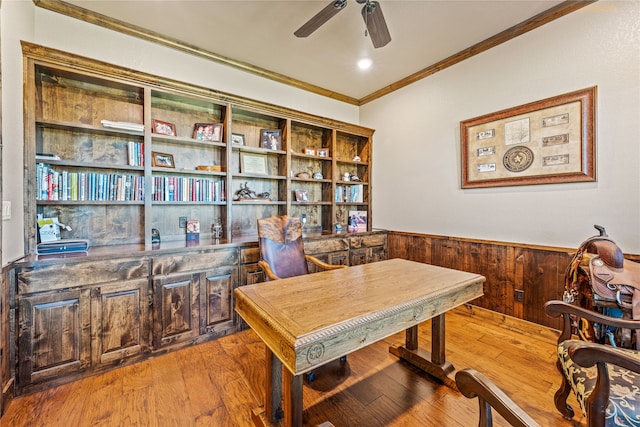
pixel 323 302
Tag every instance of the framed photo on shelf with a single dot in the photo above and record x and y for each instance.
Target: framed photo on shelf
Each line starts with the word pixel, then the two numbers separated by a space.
pixel 310 151
pixel 162 160
pixel 253 163
pixel 302 196
pixel 271 139
pixel 208 132
pixel 163 128
pixel 549 141
pixel 322 152
pixel 237 139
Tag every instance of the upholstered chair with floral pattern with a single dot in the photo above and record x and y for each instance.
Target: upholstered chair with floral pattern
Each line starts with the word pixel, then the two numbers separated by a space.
pixel 605 379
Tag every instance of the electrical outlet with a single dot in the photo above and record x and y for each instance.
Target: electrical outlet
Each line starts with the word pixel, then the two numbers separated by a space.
pixel 518 295
pixel 183 221
pixel 6 210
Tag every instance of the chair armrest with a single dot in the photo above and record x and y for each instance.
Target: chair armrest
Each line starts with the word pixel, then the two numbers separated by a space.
pixel 323 265
pixel 473 384
pixel 267 270
pixel 588 354
pixel 560 308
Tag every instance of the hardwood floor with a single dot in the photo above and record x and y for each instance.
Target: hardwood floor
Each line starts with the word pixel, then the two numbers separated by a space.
pixel 219 383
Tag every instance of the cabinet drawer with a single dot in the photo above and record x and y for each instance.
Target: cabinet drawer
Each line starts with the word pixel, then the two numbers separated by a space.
pixel 326 245
pixel 368 240
pixel 47 277
pixel 249 255
pixel 251 274
pixel 194 262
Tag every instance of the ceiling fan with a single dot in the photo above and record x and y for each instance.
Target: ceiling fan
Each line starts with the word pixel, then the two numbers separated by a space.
pixel 371 12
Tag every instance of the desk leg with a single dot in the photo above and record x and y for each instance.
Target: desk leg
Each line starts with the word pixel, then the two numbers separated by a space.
pixel 433 363
pixel 273 387
pixel 279 383
pixel 292 388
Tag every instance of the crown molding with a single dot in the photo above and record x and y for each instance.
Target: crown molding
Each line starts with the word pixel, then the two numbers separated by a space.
pixel 537 21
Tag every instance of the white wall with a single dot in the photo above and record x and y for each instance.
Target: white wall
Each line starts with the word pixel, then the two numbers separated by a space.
pixel 416 152
pixel 22 20
pixel 416 183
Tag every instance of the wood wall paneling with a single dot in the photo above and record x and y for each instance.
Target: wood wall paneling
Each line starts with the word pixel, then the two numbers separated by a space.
pixel 520 278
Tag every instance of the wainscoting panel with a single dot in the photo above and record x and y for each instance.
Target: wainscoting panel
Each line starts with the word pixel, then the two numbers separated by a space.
pixel 520 278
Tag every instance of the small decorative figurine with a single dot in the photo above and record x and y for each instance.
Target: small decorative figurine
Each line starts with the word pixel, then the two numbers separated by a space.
pixel 245 193
pixel 317 175
pixel 216 230
pixel 356 159
pixel 346 176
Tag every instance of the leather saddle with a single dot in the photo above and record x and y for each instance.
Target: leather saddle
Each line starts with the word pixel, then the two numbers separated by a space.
pixel 599 276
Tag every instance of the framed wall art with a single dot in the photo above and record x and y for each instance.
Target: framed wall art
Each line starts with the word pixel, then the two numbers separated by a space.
pixel 544 142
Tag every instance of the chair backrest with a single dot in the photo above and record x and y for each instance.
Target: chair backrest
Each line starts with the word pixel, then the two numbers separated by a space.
pixel 281 245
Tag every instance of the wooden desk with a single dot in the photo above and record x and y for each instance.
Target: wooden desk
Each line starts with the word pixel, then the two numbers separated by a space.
pixel 307 321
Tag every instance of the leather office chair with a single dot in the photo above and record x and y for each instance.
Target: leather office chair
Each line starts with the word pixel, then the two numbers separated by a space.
pixel 282 249
pixel 282 253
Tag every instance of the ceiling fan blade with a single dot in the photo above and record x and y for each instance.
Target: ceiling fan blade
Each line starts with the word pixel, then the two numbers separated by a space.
pixel 320 18
pixel 376 25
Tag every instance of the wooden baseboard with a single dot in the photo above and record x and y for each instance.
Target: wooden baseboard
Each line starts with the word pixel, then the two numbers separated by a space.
pixel 508 322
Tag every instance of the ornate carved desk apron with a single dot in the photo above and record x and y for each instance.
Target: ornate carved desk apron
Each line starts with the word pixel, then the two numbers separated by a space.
pixel 309 320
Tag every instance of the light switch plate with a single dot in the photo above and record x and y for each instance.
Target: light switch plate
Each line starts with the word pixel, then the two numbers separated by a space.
pixel 6 210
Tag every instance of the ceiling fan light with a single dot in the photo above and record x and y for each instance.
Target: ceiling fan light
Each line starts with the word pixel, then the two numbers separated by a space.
pixel 365 63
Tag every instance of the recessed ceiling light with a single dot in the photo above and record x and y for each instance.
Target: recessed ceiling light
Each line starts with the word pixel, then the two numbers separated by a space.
pixel 364 63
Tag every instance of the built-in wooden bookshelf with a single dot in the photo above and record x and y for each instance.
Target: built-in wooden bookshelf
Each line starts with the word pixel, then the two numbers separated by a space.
pixel 95 160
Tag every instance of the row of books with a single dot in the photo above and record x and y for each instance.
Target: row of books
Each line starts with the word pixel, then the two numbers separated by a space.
pixel 135 151
pixel 63 185
pixel 349 193
pixel 182 189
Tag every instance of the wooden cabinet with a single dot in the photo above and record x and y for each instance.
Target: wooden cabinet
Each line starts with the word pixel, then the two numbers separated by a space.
pixel 74 317
pixel 114 154
pixel 193 296
pixel 79 315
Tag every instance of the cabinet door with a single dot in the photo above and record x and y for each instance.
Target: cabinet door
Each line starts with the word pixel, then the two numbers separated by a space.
pixel 176 309
pixel 53 336
pixel 119 324
pixel 378 253
pixel 216 296
pixel 251 274
pixel 359 256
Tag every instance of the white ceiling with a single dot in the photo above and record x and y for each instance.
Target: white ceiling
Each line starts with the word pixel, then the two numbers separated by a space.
pixel 260 33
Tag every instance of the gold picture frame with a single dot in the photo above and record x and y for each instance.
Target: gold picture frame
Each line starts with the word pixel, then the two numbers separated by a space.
pixel 544 142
